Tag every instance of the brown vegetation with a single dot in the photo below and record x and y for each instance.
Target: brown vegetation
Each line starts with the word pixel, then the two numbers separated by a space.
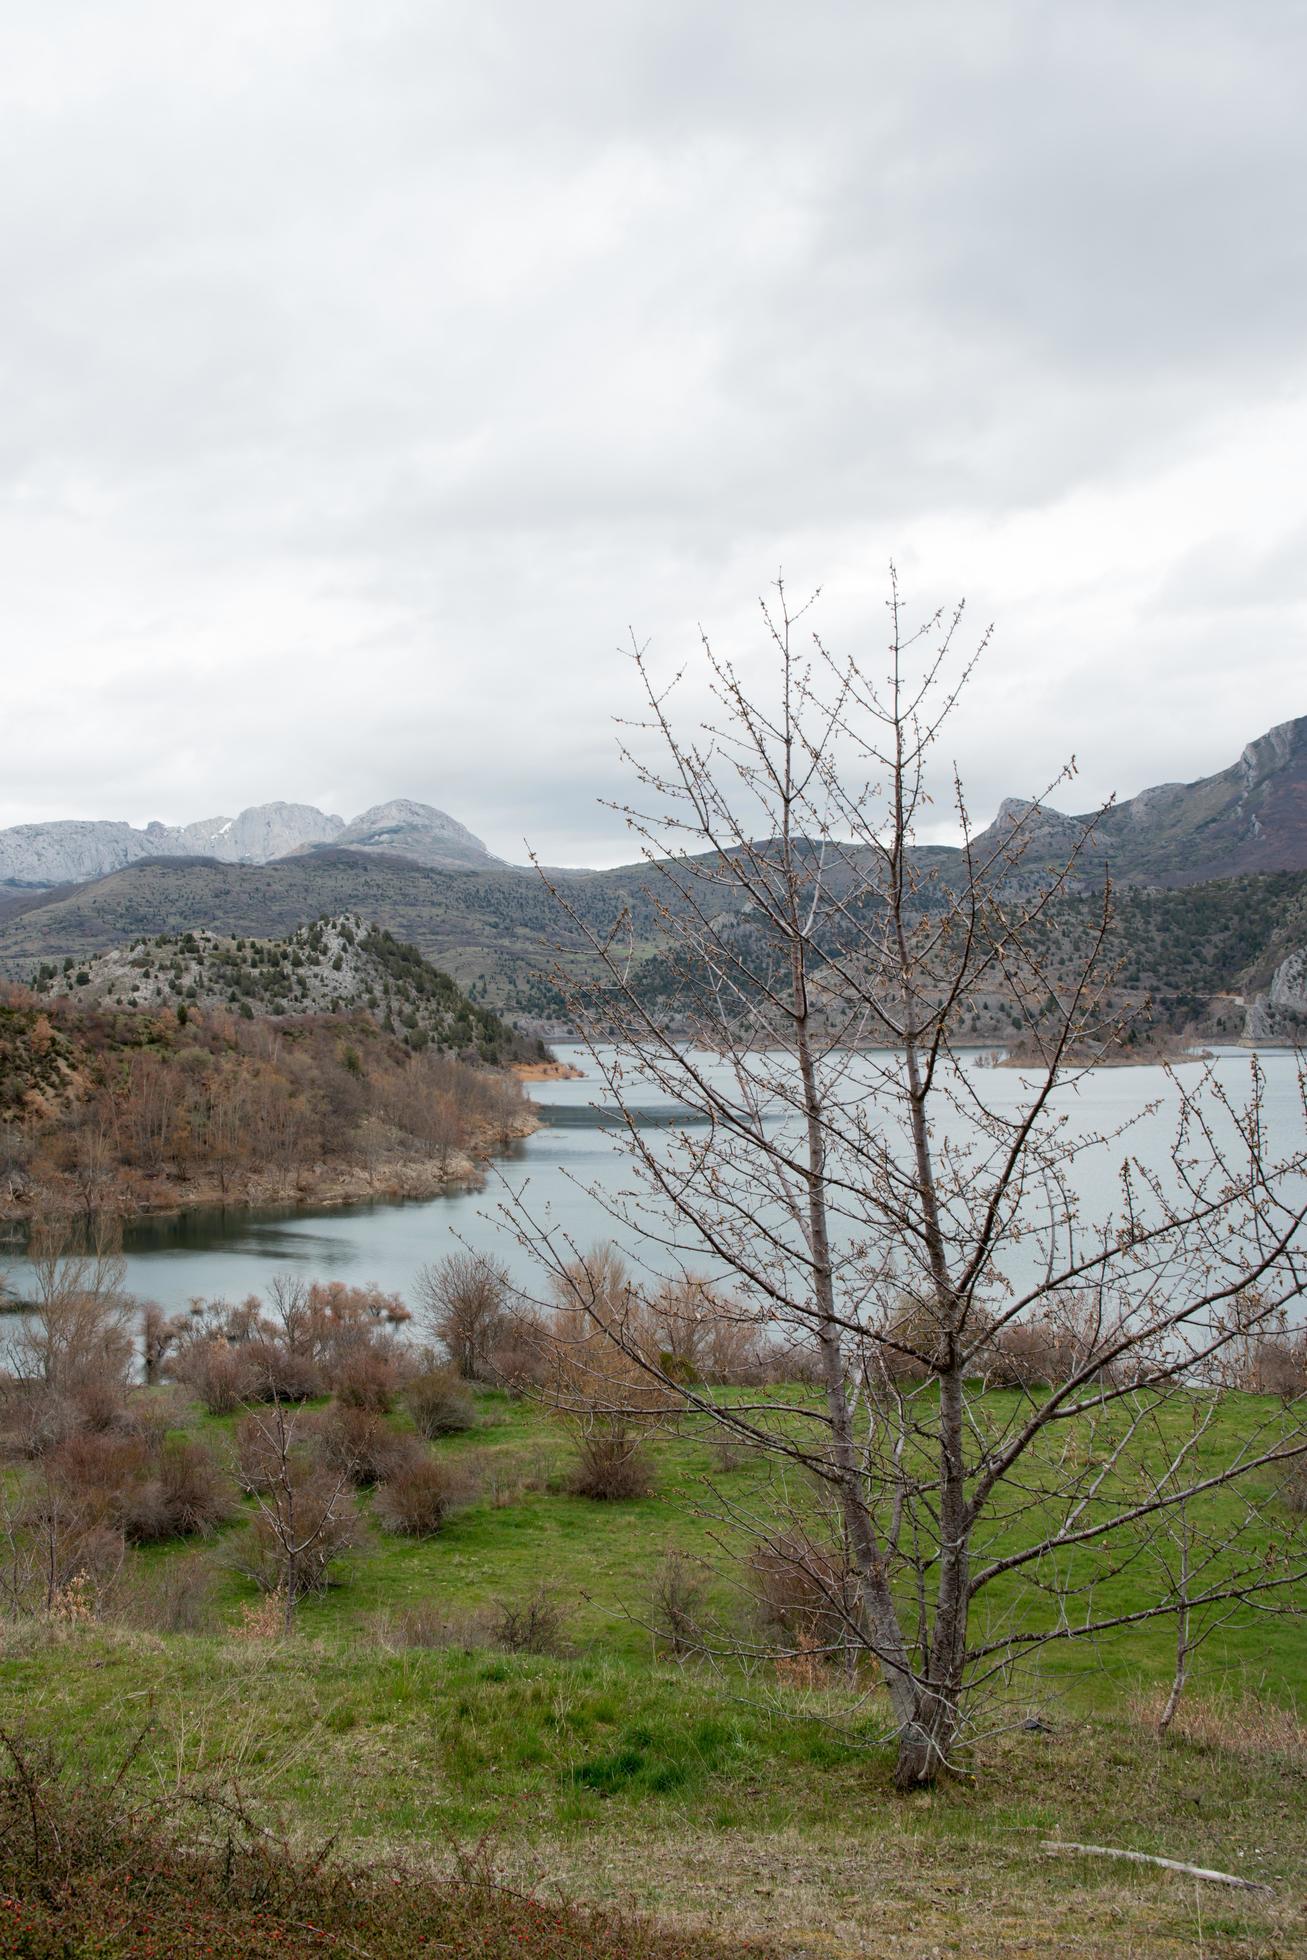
pixel 131 1109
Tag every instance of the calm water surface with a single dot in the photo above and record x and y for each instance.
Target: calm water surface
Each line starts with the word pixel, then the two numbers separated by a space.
pixel 203 1254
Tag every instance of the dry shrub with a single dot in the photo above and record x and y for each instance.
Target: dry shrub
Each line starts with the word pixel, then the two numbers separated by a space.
pixel 218 1374
pixel 261 1619
pixel 184 1494
pixel 678 1600
pixel 417 1498
pixel 1059 1346
pixel 369 1379
pixel 36 1417
pixel 149 1494
pixel 256 1456
pixel 152 1412
pixel 277 1373
pixel 701 1335
pixel 520 1360
pixel 612 1465
pixel 730 1450
pixel 806 1597
pixel 99 1405
pixel 424 1626
pixel 63 1535
pixel 1293 1486
pixel 534 1625
pixel 505 1476
pixel 439 1403
pixel 359 1444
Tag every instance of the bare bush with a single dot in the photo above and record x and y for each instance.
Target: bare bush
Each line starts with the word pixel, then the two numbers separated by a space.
pixel 439 1403
pixel 174 1595
pixel 416 1499
pixel 534 1625
pixel 1293 1486
pixel 218 1374
pixel 678 1600
pixel 806 1597
pixel 369 1379
pixel 505 1476
pixel 360 1445
pixel 612 1465
pixel 147 1493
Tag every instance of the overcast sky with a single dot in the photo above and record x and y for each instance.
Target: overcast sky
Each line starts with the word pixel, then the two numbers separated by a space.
pixel 368 369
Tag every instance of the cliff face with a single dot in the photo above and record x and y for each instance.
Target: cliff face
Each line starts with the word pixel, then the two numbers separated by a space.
pixel 1280 1014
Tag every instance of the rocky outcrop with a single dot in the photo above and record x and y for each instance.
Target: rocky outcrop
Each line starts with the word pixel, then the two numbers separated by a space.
pixel 1279 1016
pixel 415 830
pixel 257 835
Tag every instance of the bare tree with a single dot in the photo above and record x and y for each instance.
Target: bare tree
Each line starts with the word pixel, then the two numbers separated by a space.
pixel 887 1211
pixel 464 1303
pixel 307 1515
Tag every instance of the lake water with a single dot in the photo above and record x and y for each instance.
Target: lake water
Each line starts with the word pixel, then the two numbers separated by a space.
pixel 212 1253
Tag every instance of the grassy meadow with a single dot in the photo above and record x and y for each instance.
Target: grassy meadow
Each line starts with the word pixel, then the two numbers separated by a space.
pixel 744 1802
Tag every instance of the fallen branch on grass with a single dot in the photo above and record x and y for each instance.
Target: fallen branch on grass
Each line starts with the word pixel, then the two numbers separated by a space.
pixel 1055 1845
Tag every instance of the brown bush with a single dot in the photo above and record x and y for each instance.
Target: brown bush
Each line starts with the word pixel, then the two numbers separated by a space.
pixel 100 1405
pixel 279 1374
pixel 361 1445
pixel 612 1465
pixel 439 1403
pixel 369 1379
pixel 256 1455
pixel 119 1482
pixel 1293 1486
pixel 218 1373
pixel 806 1595
pixel 520 1359
pixel 679 1596
pixel 535 1625
pixel 36 1417
pixel 504 1476
pixel 173 1595
pixel 417 1498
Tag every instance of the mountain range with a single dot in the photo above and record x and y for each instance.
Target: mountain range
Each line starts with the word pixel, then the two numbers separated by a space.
pixel 1211 879
pixel 41 856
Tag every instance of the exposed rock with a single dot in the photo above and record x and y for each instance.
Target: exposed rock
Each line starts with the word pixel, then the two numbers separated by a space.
pixel 39 856
pixel 415 830
pixel 1280 1015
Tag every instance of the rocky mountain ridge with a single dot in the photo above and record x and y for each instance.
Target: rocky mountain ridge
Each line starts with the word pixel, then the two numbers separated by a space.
pixel 42 856
pixel 1248 818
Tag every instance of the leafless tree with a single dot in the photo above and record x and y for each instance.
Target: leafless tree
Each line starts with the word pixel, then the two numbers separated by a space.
pixel 888 1211
pixel 307 1513
pixel 80 1335
pixel 464 1303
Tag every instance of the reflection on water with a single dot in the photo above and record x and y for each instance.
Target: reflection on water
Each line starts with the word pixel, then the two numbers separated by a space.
pixel 213 1252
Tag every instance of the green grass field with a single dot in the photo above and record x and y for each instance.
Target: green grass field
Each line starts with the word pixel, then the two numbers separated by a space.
pixel 727 1800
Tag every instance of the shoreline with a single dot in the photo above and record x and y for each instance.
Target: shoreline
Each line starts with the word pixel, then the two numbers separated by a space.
pixel 312 1187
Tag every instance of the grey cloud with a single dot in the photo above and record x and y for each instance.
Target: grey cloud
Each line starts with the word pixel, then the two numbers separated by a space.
pixel 369 370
